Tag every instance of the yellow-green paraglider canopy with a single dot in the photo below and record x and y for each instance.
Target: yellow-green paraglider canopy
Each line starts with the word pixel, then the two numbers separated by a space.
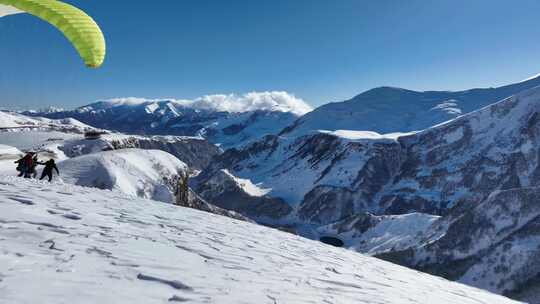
pixel 79 28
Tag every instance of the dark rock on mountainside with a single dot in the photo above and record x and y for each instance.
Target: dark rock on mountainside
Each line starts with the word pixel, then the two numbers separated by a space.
pixel 186 197
pixel 229 193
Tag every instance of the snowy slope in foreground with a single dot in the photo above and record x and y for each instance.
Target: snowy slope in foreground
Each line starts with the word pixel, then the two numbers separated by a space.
pixel 81 245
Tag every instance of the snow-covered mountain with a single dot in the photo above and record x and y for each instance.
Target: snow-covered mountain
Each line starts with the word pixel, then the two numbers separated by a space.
pixel 11 121
pixel 63 243
pixel 330 180
pixel 226 120
pixel 389 109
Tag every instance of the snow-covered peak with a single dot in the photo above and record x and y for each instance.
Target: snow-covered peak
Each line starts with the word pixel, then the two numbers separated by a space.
pixel 390 109
pixel 124 101
pixel 232 103
pixel 82 245
pixel 12 120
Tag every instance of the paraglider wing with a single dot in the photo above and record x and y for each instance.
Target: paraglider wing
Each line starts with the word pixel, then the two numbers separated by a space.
pixel 8 10
pixel 79 28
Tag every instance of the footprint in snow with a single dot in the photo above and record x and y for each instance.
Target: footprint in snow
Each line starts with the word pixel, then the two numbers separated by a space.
pixel 22 200
pixel 178 299
pixel 174 284
pixel 72 217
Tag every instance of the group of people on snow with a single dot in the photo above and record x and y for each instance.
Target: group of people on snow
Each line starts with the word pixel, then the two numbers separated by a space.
pixel 27 167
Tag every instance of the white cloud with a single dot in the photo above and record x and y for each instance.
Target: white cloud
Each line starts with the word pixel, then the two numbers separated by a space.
pixel 8 10
pixel 270 101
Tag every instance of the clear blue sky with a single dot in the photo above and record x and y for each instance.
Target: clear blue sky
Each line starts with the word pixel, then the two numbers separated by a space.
pixel 320 50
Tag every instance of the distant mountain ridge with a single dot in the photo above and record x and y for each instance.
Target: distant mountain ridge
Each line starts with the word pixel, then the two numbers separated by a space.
pixel 233 121
pixel 225 120
pixel 389 109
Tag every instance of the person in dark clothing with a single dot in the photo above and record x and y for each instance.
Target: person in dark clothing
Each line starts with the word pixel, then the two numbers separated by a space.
pixel 25 165
pixel 48 170
pixel 35 163
pixel 20 166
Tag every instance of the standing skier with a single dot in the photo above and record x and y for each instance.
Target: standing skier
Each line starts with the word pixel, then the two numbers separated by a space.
pixel 48 170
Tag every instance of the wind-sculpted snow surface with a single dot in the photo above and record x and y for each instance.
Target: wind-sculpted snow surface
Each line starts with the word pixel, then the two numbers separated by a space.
pixel 67 244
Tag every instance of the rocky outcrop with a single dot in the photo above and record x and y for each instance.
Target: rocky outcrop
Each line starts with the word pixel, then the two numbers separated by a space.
pixel 197 153
pixel 228 192
pixel 186 197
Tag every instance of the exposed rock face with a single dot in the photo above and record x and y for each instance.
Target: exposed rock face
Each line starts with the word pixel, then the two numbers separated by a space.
pixel 324 177
pixel 493 245
pixel 182 191
pixel 224 191
pixel 195 152
pixel 186 197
